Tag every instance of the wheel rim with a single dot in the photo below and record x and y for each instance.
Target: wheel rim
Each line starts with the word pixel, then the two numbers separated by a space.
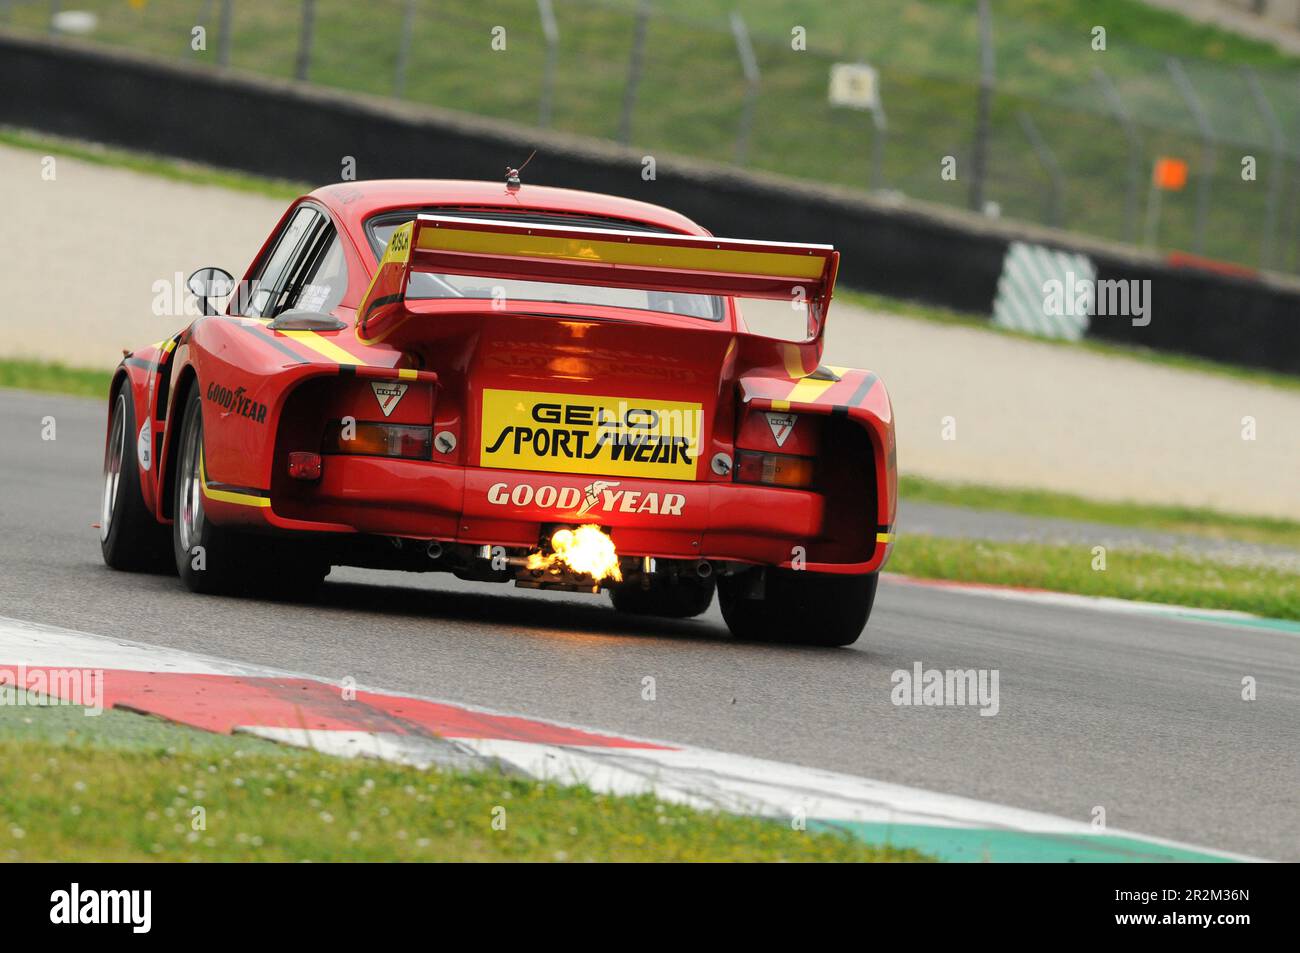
pixel 113 457
pixel 190 518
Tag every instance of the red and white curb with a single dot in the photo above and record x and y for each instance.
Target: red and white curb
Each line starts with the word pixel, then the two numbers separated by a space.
pixel 225 696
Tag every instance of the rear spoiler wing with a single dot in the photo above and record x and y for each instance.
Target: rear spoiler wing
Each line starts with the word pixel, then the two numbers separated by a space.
pixel 609 258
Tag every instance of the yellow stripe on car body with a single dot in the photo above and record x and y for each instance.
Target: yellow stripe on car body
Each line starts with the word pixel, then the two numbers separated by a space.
pixel 323 346
pixel 228 496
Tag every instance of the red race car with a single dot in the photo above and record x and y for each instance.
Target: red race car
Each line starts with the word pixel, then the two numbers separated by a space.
pixel 508 383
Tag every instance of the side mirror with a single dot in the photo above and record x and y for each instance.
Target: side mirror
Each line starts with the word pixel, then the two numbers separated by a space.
pixel 209 283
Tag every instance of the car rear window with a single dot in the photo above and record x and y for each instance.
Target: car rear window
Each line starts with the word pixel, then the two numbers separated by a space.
pixel 380 228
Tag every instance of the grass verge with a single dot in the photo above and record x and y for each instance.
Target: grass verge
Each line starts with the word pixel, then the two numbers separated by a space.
pixel 1172 519
pixel 1170 578
pixel 124 787
pixel 52 377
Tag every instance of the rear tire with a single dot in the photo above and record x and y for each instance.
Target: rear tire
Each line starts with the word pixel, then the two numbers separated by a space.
pixel 212 559
pixel 130 538
pixel 209 559
pixel 684 599
pixel 798 608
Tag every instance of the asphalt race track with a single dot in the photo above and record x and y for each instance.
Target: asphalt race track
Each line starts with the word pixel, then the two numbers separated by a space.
pixel 1140 715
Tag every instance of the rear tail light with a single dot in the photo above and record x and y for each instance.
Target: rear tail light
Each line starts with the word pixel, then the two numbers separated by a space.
pixel 777 469
pixel 304 466
pixel 379 440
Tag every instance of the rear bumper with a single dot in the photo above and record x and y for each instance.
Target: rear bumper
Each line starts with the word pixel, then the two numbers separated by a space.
pixel 661 518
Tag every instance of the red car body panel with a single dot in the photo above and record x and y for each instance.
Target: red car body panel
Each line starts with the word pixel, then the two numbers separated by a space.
pixel 265 393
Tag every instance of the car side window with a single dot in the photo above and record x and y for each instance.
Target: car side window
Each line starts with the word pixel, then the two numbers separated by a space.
pixel 258 300
pixel 321 276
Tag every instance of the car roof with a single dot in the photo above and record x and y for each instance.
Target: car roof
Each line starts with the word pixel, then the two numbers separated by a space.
pixel 352 203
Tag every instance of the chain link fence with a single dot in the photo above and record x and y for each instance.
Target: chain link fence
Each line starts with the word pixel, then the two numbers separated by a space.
pixel 1011 116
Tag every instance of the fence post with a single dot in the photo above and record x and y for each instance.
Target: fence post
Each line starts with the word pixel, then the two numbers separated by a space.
pixel 634 66
pixel 1291 227
pixel 551 32
pixel 1047 158
pixel 749 65
pixel 881 123
pixel 1125 120
pixel 1277 173
pixel 404 48
pixel 1205 180
pixel 979 152
pixel 305 39
pixel 223 48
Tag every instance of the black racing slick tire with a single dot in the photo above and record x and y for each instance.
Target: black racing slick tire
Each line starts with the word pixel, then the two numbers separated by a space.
pixel 797 608
pixel 209 559
pixel 130 538
pixel 683 599
pixel 216 560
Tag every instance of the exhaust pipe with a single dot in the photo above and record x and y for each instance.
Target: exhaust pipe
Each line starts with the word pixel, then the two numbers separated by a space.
pixel 434 549
pixel 704 569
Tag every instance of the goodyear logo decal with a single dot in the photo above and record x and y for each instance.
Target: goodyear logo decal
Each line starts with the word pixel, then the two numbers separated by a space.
pixel 580 433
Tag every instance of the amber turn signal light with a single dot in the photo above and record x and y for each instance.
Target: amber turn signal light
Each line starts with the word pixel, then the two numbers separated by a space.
pixel 776 469
pixel 379 440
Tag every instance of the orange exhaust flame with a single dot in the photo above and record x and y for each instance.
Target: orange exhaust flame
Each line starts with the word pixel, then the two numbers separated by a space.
pixel 585 550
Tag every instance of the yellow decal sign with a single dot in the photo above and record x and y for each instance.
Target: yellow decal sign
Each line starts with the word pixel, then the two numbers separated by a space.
pixel 580 433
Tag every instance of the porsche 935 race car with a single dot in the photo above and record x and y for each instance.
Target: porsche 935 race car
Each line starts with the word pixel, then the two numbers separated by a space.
pixel 526 384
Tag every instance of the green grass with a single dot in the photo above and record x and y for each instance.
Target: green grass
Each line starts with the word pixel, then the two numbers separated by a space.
pixel 692 89
pixel 1170 578
pixel 1173 519
pixel 54 377
pixel 122 787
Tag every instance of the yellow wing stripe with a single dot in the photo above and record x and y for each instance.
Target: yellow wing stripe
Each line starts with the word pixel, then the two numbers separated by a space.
pixel 768 264
pixel 322 346
pixel 793 359
pixel 808 390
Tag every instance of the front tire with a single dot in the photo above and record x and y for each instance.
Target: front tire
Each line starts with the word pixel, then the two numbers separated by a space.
pixel 798 608
pixel 130 538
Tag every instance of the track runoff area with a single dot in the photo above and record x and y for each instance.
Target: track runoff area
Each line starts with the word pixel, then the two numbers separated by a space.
pixel 226 696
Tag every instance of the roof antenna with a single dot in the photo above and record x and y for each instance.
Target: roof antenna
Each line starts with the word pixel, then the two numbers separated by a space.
pixel 512 175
